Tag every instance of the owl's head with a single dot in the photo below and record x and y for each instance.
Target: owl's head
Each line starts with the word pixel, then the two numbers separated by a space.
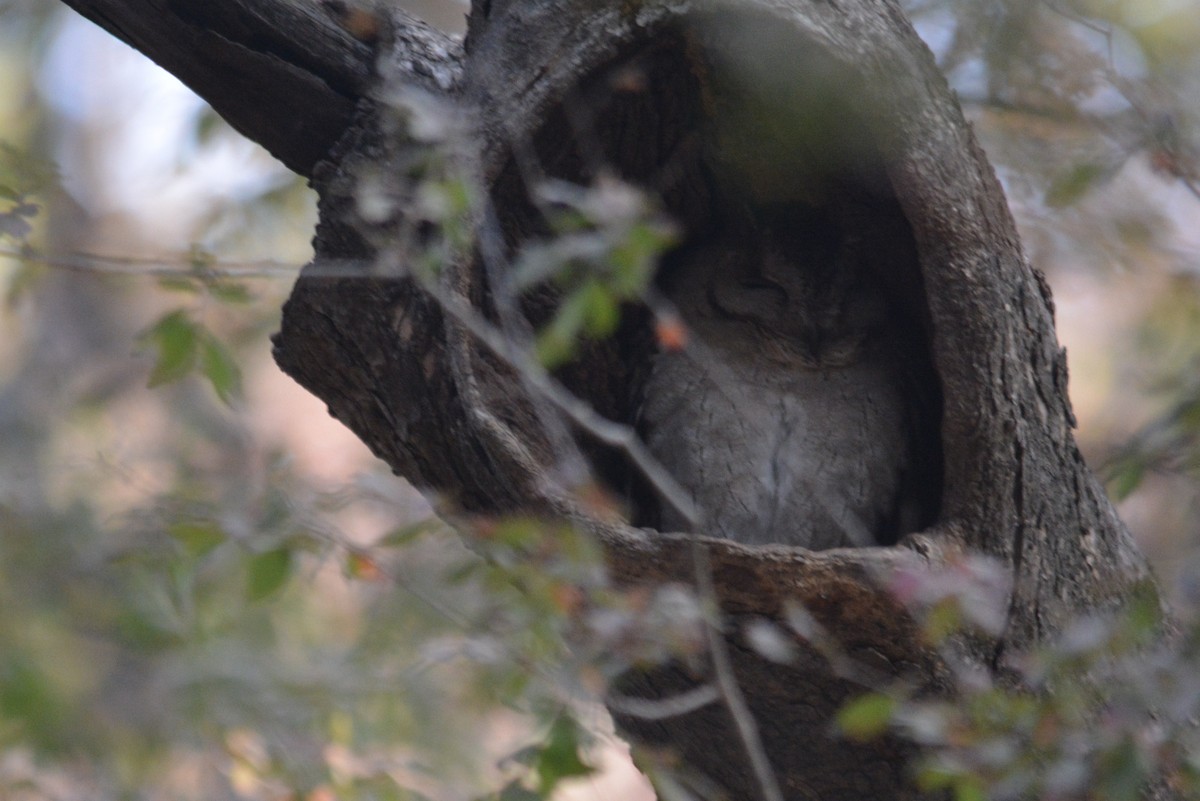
pixel 814 305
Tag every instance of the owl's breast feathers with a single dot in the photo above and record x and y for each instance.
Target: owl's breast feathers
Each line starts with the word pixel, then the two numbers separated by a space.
pixel 800 456
pixel 786 417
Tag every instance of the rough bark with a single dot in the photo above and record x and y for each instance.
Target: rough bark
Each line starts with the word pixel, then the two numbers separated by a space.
pixel 446 413
pixel 285 74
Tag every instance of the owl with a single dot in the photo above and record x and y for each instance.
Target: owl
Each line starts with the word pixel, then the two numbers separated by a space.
pixel 786 416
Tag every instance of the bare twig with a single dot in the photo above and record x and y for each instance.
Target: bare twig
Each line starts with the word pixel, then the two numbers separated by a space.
pixel 731 693
pixel 1106 31
pixel 663 708
pixel 579 412
pixel 183 265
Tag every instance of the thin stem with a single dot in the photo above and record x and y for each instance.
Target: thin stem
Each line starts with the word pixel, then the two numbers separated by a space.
pixel 731 693
pixel 182 266
pixel 579 412
pixel 663 708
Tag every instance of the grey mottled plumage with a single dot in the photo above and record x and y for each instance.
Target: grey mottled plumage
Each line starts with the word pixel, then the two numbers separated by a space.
pixel 785 416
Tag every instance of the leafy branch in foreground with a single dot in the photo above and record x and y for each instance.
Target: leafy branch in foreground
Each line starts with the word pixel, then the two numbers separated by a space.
pixel 1105 711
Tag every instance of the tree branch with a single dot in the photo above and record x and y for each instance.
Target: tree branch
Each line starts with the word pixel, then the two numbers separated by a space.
pixel 287 75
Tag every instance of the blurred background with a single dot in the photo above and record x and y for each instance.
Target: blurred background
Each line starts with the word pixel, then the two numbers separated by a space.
pixel 209 589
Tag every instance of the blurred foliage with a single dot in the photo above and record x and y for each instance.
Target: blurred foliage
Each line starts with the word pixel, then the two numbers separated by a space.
pixel 181 341
pixel 21 177
pixel 606 242
pixel 1087 109
pixel 1170 348
pixel 1106 710
pixel 185 613
pixel 1071 97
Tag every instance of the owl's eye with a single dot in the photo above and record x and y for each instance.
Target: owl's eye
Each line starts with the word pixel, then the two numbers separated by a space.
pixel 760 283
pixel 748 298
pixel 764 289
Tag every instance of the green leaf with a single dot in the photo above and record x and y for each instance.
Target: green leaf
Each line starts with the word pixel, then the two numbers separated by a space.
pixel 21 281
pixel 526 756
pixel 404 535
pixel 220 369
pixel 867 716
pixel 230 292
pixel 935 776
pixel 553 348
pixel 268 572
pixel 34 704
pixel 1144 615
pixel 1188 414
pixel 464 572
pixel 942 619
pixel 559 758
pixel 1125 478
pixel 23 173
pixel 968 789
pixel 1070 186
pixel 519 532
pixel 208 123
pixel 200 260
pixel 177 284
pixel 1122 777
pixel 556 342
pixel 176 338
pixel 636 256
pixel 198 539
pixel 601 312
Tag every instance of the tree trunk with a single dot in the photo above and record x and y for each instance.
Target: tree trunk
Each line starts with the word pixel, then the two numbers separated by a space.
pixel 400 368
